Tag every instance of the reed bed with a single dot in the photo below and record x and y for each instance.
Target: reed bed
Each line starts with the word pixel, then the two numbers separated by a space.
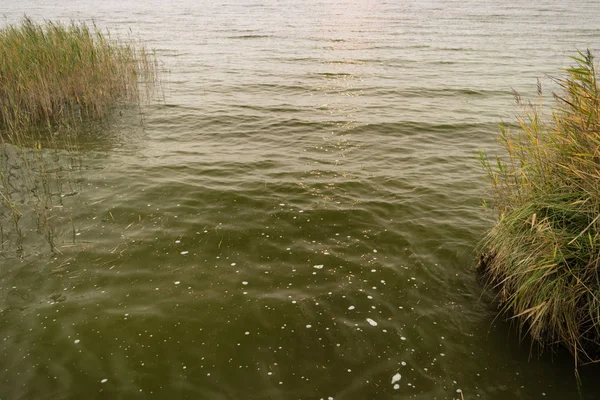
pixel 54 74
pixel 56 80
pixel 543 253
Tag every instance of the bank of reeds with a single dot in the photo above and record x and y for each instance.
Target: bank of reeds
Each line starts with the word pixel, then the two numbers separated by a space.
pixel 56 78
pixel 60 74
pixel 543 253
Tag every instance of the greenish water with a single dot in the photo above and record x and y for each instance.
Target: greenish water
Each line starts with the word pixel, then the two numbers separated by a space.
pixel 297 219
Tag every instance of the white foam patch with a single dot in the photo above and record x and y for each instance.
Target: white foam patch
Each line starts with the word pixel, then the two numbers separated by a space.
pixel 396 378
pixel 318 266
pixel 371 322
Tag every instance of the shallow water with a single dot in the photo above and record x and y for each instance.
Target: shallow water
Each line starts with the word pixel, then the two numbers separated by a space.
pixel 297 219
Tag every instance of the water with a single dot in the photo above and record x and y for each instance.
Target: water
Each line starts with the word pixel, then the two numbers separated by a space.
pixel 297 219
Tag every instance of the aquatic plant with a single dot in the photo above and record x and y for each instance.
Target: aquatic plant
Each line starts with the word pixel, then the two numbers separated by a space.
pixel 55 81
pixel 59 74
pixel 543 253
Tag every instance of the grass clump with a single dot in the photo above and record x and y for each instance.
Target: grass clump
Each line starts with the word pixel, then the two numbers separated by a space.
pixel 543 253
pixel 56 78
pixel 60 74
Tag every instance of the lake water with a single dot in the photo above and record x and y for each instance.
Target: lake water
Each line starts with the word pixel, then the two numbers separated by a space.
pixel 297 219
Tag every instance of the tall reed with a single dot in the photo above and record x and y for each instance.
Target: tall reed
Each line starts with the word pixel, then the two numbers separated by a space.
pixel 56 78
pixel 543 253
pixel 59 74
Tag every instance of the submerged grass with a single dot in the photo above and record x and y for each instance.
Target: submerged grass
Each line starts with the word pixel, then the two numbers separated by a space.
pixel 543 253
pixel 59 74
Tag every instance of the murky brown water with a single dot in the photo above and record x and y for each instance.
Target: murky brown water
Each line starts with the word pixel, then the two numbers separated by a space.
pixel 297 220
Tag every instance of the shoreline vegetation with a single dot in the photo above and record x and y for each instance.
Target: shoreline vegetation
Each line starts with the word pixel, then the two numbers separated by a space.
pixel 56 81
pixel 58 75
pixel 542 256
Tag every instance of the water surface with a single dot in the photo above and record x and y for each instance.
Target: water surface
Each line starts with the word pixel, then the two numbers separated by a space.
pixel 297 219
